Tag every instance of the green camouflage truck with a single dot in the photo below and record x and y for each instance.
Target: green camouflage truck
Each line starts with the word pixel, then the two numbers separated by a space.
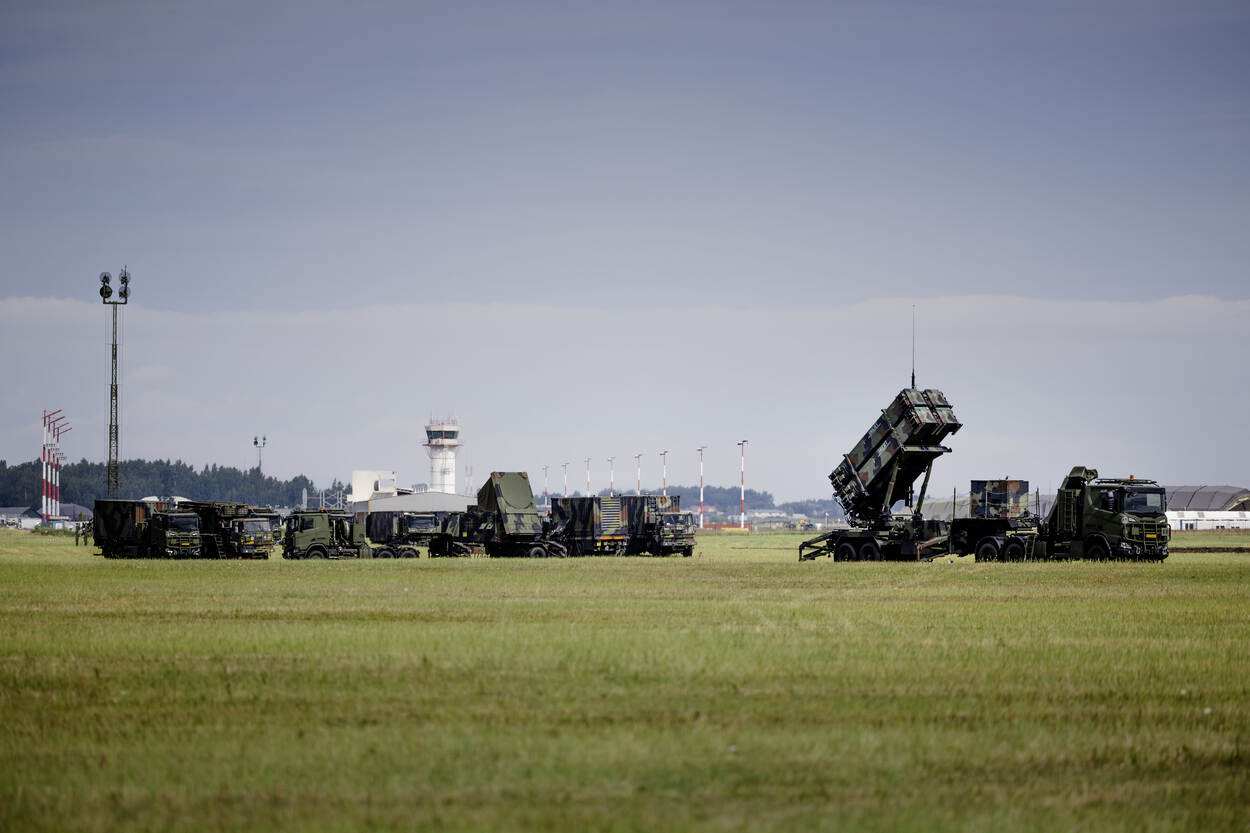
pixel 1100 518
pixel 322 534
pixel 145 529
pixel 231 530
pixel 622 525
pixel 504 523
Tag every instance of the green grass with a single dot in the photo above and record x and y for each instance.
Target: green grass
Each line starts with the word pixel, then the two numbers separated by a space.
pixel 737 690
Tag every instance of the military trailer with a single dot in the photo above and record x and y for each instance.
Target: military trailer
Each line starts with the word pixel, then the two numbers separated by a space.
pixel 999 526
pixel 231 530
pixel 145 529
pixel 1100 518
pixel 590 525
pixel 504 523
pixel 398 534
pixel 880 471
pixel 323 534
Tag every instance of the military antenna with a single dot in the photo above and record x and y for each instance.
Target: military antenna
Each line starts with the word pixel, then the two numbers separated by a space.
pixel 913 346
pixel 123 295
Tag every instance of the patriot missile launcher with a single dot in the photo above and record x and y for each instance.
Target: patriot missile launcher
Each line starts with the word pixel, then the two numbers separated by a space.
pixel 882 470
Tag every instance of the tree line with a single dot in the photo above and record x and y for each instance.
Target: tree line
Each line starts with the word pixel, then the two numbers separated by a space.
pixel 83 482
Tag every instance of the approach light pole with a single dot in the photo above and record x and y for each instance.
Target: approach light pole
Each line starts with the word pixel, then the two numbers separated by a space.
pixel 664 477
pixel 546 497
pixel 638 460
pixel 123 295
pixel 611 476
pixel 701 485
pixel 587 477
pixel 742 517
pixel 566 478
pixel 259 443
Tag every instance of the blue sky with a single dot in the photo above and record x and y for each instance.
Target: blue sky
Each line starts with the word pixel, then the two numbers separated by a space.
pixel 639 165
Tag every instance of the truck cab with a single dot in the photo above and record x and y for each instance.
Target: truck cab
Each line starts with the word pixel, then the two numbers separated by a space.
pixel 677 533
pixel 1100 518
pixel 321 534
pixel 251 537
pixel 174 535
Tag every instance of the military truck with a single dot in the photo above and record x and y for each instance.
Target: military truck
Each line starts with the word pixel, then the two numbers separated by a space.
pixel 504 523
pixel 230 530
pixel 880 471
pixel 398 534
pixel 657 525
pixel 999 526
pixel 1100 518
pixel 145 529
pixel 323 534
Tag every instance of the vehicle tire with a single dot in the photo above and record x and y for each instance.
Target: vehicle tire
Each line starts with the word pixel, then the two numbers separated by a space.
pixel 1096 550
pixel 869 551
pixel 536 552
pixel 987 550
pixel 408 552
pixel 1014 550
pixel 844 551
pixel 687 552
pixel 384 552
pixel 315 552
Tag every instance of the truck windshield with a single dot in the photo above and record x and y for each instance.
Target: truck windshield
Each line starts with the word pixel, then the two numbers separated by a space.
pixel 1144 502
pixel 184 523
pixel 420 523
pixel 682 521
pixel 255 526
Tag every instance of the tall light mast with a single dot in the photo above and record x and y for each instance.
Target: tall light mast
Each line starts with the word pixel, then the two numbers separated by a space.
pixel 566 478
pixel 587 477
pixel 611 476
pixel 742 517
pixel 638 460
pixel 123 295
pixel 546 497
pixel 664 477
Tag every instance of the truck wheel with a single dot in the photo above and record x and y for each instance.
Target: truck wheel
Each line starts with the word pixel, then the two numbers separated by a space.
pixel 537 552
pixel 987 550
pixel 315 552
pixel 844 551
pixel 687 552
pixel 407 552
pixel 1096 550
pixel 1014 551
pixel 384 552
pixel 869 551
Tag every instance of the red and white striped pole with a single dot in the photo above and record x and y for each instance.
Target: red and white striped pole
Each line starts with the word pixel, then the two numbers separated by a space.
pixel 701 485
pixel 611 476
pixel 742 517
pixel 664 476
pixel 566 478
pixel 638 460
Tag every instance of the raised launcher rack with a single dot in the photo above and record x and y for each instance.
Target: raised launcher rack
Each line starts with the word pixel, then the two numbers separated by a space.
pixel 882 467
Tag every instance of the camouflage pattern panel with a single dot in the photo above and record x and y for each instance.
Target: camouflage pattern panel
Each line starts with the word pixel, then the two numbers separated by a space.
pixel 667 503
pixel 117 521
pixel 845 486
pixel 998 498
pixel 943 413
pixel 509 494
pixel 864 448
pixel 878 465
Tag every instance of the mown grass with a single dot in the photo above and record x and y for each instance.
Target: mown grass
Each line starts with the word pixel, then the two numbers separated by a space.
pixel 737 690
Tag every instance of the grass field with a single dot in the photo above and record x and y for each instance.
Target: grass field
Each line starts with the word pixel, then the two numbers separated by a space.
pixel 737 690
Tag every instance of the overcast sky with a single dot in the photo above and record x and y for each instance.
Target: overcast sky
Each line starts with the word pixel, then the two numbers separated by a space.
pixel 598 229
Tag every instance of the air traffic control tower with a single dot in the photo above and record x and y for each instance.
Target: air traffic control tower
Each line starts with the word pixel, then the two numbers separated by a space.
pixel 442 442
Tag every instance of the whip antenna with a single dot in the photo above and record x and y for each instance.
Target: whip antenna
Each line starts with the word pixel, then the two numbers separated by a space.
pixel 913 346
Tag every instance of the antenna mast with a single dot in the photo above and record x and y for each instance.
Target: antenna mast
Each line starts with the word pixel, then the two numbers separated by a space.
pixel 913 346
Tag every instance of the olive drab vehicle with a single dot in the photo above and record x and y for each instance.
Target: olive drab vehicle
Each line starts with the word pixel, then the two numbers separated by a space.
pixel 398 534
pixel 657 525
pixel 879 472
pixel 999 526
pixel 323 534
pixel 622 525
pixel 1099 518
pixel 145 529
pixel 504 523
pixel 231 530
